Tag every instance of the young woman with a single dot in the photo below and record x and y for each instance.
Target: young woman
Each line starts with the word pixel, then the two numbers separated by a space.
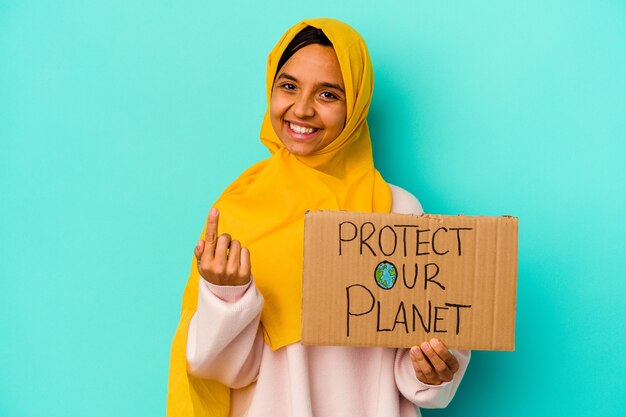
pixel 237 350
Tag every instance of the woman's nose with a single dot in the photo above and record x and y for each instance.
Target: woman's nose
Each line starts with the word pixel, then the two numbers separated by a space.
pixel 303 107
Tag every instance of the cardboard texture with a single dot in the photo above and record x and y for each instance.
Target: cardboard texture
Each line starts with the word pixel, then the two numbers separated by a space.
pixel 395 280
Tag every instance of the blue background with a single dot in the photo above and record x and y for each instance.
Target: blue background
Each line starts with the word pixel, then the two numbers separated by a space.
pixel 122 121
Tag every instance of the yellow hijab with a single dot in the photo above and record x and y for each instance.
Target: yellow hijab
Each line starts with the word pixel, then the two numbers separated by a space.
pixel 264 209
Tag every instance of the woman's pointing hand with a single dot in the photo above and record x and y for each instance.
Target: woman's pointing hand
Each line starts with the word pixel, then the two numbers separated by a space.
pixel 221 260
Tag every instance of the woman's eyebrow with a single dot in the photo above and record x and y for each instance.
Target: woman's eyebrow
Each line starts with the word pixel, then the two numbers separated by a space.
pixel 323 84
pixel 287 76
pixel 335 86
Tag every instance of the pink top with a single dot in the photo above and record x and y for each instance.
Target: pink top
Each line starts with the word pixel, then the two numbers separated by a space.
pixel 225 343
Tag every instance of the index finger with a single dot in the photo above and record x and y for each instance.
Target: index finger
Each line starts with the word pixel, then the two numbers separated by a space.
pixel 210 236
pixel 445 354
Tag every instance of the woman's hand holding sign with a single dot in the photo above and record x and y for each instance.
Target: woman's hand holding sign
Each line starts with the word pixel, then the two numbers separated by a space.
pixel 221 260
pixel 433 362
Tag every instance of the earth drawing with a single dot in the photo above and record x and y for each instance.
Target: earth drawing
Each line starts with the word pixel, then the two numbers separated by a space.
pixel 386 275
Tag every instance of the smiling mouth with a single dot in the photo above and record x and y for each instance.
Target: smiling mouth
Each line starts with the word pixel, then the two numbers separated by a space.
pixel 301 132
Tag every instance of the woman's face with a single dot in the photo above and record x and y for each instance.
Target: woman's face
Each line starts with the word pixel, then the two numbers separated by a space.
pixel 308 105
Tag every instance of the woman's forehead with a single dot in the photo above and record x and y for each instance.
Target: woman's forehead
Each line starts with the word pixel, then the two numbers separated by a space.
pixel 314 62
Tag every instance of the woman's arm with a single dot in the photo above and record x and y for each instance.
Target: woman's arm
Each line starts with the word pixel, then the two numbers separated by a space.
pixel 403 202
pixel 225 342
pixel 426 395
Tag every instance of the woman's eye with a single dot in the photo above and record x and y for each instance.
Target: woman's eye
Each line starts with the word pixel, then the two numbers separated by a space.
pixel 288 86
pixel 329 96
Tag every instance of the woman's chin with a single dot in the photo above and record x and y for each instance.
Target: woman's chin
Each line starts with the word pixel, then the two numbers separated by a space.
pixel 301 147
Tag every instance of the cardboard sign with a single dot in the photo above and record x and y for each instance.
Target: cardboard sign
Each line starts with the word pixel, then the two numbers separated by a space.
pixel 395 280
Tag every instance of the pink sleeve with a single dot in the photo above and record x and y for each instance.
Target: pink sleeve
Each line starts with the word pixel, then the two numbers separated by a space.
pixel 424 395
pixel 225 342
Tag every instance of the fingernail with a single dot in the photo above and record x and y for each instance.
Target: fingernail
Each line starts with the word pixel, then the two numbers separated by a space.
pixel 425 346
pixel 213 212
pixel 435 342
pixel 415 351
